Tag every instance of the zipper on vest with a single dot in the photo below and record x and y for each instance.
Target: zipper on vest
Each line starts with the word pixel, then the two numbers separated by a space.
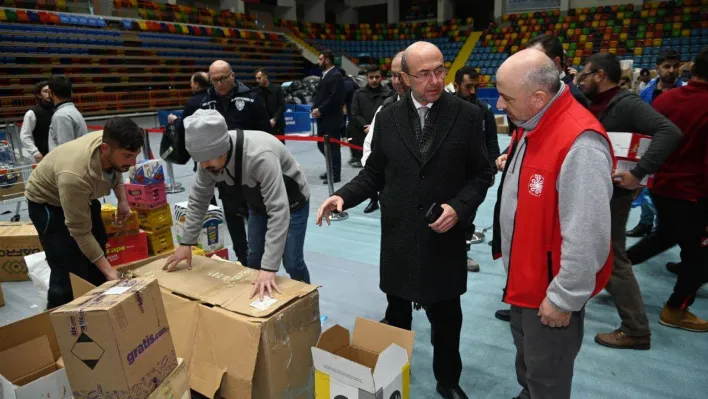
pixel 513 233
pixel 550 267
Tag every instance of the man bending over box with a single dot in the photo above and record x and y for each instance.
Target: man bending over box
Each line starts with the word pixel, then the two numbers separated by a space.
pixel 62 200
pixel 269 180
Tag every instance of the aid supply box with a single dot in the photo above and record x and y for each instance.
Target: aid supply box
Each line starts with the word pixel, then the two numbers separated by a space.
pixel 211 237
pixel 375 363
pixel 115 340
pixel 160 242
pixel 625 165
pixel 155 219
pixel 17 240
pixel 629 146
pixel 30 363
pixel 114 226
pixel 126 248
pixel 146 196
pixel 147 172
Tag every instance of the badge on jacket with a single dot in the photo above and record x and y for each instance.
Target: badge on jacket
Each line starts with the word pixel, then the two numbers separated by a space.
pixel 240 104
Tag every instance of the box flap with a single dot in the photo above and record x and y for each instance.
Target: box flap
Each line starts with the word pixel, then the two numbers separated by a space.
pixel 344 370
pixel 79 286
pixel 334 339
pixel 375 337
pixel 224 284
pixel 26 358
pixel 391 362
pixel 54 385
pixel 28 329
pixel 621 141
pixel 106 296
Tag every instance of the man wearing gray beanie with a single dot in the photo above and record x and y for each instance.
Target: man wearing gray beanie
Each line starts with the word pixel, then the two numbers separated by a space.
pixel 269 180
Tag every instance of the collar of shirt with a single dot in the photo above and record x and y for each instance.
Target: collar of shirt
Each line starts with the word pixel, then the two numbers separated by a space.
pixel 418 105
pixel 325 72
pixel 562 75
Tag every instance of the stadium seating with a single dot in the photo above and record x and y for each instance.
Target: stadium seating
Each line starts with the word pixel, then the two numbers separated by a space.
pixel 377 43
pixel 631 32
pixel 125 65
pixel 155 11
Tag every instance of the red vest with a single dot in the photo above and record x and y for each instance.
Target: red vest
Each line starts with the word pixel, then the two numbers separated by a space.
pixel 536 241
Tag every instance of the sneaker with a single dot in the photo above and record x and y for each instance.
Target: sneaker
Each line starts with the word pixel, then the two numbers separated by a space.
pixel 673 267
pixel 619 340
pixel 683 319
pixel 472 266
pixel 640 230
pixel 357 164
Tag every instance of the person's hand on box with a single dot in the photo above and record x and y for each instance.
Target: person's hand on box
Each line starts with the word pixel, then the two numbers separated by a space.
pixel 265 282
pixel 626 180
pixel 183 252
pixel 123 211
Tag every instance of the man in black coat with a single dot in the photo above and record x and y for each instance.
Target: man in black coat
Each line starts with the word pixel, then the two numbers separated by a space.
pixel 274 98
pixel 365 102
pixel 327 109
pixel 553 48
pixel 428 153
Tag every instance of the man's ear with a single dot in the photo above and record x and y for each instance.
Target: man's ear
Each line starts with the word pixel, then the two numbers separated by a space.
pixel 456 86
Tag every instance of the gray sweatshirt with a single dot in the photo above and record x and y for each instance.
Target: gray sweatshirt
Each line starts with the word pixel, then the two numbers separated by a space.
pixel 271 183
pixel 67 124
pixel 584 188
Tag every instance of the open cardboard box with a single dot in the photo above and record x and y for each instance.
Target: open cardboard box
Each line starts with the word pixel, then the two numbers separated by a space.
pixel 374 363
pixel 30 363
pixel 231 344
pixel 17 240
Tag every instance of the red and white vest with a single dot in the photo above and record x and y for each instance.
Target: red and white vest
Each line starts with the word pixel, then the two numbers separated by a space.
pixel 535 254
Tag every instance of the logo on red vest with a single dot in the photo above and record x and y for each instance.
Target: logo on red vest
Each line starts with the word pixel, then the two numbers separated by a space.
pixel 536 185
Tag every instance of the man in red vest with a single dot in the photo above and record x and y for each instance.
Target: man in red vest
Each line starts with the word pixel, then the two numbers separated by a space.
pixel 552 220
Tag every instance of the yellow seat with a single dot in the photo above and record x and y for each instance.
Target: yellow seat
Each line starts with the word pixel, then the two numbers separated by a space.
pixel 3 17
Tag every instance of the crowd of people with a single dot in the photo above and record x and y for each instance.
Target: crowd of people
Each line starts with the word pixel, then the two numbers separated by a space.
pixel 428 159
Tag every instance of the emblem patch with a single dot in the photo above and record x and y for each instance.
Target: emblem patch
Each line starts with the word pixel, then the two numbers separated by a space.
pixel 536 185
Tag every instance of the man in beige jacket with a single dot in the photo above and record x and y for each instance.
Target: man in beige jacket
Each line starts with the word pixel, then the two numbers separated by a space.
pixel 62 196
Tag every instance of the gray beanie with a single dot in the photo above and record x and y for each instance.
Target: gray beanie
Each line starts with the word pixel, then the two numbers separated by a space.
pixel 206 135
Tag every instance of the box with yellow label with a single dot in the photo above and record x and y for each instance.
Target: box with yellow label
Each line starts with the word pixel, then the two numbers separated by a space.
pixel 113 226
pixel 155 219
pixel 160 241
pixel 375 363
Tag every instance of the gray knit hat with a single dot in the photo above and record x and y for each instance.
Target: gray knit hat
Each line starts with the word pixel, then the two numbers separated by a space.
pixel 206 135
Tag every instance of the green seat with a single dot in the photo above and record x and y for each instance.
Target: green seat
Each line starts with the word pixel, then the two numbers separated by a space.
pixel 586 31
pixel 573 25
pixel 573 46
pixel 641 28
pixel 640 35
pixel 630 44
pixel 610 22
pixel 622 8
pixel 11 16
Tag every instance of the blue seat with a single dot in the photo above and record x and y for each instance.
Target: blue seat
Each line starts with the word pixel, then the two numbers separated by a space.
pixel 64 19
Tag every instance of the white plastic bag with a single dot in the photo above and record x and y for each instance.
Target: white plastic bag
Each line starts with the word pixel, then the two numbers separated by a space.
pixel 39 272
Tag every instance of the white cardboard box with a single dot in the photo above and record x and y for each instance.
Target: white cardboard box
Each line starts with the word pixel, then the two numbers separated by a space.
pixel 211 238
pixel 374 364
pixel 629 145
pixel 626 165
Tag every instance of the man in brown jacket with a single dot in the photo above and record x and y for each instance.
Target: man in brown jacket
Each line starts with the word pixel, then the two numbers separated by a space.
pixel 62 196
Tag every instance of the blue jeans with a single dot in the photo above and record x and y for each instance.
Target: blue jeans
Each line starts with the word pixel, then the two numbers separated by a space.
pixel 647 216
pixel 293 256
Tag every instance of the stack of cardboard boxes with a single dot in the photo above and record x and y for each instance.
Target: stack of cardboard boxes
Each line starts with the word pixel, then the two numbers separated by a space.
pixel 126 243
pixel 17 240
pixel 211 237
pixel 628 149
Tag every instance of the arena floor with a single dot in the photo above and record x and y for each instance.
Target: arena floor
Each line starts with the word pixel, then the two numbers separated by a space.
pixel 343 260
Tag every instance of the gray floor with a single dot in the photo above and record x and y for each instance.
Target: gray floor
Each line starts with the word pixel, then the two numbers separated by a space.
pixel 343 259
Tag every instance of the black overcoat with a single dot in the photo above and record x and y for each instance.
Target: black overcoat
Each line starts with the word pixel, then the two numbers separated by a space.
pixel 418 264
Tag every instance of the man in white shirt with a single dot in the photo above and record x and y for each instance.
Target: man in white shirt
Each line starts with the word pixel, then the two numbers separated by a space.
pixel 35 125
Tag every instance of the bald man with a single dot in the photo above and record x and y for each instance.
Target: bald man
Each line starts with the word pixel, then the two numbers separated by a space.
pixel 552 220
pixel 429 162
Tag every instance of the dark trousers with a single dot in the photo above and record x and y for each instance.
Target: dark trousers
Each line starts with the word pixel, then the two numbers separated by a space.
pixel 235 210
pixel 358 139
pixel 335 151
pixel 545 356
pixel 469 232
pixel 623 285
pixel 684 223
pixel 446 322
pixel 63 253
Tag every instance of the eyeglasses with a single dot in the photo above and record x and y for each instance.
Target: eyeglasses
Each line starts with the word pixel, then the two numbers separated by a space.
pixel 220 79
pixel 426 75
pixel 582 76
pixel 396 75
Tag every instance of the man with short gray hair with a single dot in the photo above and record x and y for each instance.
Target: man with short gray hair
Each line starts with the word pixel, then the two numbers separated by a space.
pixel 551 232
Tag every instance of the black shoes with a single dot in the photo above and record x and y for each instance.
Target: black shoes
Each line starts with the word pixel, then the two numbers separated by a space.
pixel 673 267
pixel 335 180
pixel 323 176
pixel 503 315
pixel 373 205
pixel 451 392
pixel 640 230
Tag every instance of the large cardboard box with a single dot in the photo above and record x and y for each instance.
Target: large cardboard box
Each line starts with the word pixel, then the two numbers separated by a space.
pixel 17 240
pixel 374 363
pixel 232 343
pixel 175 386
pixel 2 297
pixel 30 365
pixel 115 340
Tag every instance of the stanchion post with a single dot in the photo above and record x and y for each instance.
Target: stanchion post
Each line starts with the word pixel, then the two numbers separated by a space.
pixel 173 187
pixel 335 216
pixel 146 145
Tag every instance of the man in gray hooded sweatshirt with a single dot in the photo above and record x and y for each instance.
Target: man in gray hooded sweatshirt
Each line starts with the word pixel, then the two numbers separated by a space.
pixel 270 181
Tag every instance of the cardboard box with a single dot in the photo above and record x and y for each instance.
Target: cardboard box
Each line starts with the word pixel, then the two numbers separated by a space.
pixel 211 238
pixel 113 227
pixel 375 363
pixel 147 172
pixel 155 219
pixel 160 241
pixel 30 364
pixel 630 146
pixel 227 343
pixel 126 248
pixel 115 340
pixel 146 196
pixel 2 297
pixel 626 165
pixel 11 184
pixel 175 386
pixel 17 240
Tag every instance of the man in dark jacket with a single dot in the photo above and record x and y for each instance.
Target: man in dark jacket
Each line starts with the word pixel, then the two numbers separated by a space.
pixel 553 48
pixel 35 125
pixel 199 83
pixel 620 110
pixel 350 86
pixel 327 109
pixel 274 98
pixel 466 81
pixel 365 102
pixel 243 109
pixel 428 153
